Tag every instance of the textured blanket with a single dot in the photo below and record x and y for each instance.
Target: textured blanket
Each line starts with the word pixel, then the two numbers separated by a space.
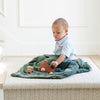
pixel 65 69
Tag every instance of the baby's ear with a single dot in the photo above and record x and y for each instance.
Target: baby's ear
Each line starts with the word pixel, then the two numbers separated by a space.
pixel 66 30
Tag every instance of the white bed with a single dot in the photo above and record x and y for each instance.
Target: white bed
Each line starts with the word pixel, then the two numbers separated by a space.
pixel 83 86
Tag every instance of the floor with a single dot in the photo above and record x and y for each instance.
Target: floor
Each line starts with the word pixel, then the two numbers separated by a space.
pixel 94 58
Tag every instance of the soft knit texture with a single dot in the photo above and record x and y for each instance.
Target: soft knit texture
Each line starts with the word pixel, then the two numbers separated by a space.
pixel 65 69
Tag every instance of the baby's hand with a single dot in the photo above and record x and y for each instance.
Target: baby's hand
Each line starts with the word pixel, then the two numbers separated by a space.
pixel 54 63
pixel 29 69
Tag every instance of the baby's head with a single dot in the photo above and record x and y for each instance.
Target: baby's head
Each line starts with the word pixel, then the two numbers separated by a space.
pixel 59 28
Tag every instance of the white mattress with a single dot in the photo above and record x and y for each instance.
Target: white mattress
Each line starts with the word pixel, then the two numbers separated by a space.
pixel 82 80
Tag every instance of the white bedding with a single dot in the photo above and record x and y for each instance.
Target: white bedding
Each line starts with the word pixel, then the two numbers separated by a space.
pixel 83 80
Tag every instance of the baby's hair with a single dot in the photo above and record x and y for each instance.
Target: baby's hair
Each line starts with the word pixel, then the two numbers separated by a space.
pixel 61 21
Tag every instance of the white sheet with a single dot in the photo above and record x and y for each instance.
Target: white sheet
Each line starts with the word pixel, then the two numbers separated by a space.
pixel 83 80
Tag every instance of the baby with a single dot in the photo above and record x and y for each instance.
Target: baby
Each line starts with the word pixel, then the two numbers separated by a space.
pixel 63 47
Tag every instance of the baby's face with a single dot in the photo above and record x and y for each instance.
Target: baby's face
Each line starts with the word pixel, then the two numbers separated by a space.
pixel 58 31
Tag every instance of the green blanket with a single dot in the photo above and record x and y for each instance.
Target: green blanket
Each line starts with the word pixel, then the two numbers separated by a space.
pixel 65 69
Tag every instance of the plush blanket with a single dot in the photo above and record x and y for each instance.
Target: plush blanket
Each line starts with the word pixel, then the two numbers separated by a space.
pixel 65 69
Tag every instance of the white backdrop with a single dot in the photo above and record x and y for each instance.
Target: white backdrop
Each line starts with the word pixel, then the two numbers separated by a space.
pixel 26 26
pixel 41 13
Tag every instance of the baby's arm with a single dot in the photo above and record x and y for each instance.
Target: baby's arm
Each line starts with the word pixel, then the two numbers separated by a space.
pixel 58 61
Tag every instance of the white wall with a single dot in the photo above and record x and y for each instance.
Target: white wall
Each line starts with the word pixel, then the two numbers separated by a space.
pixel 26 29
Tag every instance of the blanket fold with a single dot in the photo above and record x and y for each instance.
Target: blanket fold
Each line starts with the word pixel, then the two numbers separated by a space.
pixel 65 69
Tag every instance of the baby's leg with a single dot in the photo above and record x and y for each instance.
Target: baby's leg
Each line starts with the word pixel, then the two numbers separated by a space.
pixel 72 68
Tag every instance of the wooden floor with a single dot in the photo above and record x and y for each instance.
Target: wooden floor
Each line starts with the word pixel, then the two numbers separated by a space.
pixel 94 58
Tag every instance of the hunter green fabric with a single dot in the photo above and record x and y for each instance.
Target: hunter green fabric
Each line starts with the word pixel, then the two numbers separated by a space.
pixel 65 69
